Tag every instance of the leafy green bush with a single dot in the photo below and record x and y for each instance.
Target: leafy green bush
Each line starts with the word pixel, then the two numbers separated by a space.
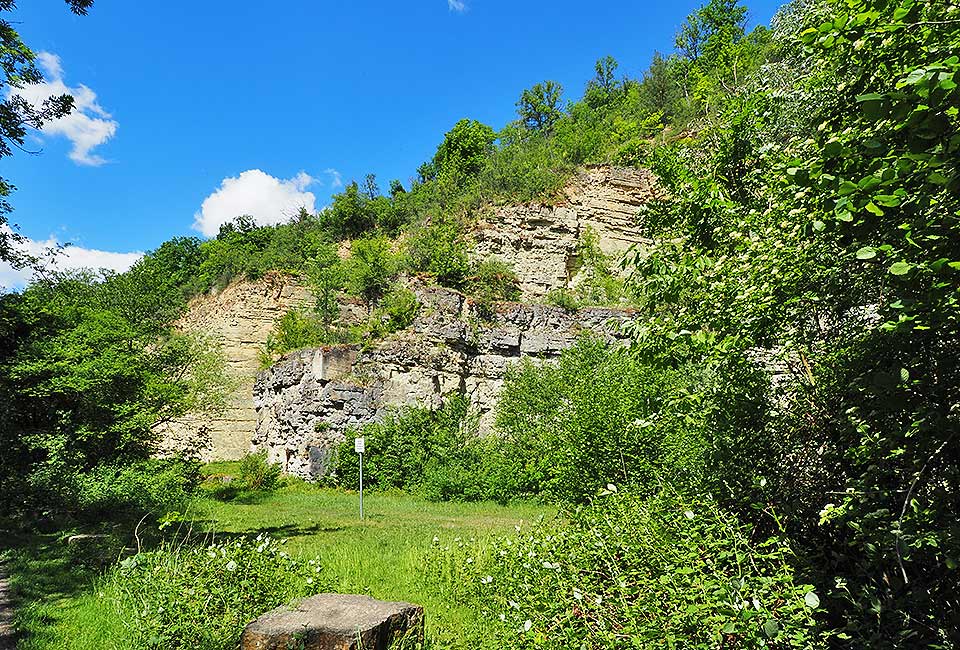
pixel 601 415
pixel 258 474
pixel 400 449
pixel 201 598
pixel 396 311
pixel 661 571
pixel 371 268
pixel 563 298
pixel 494 280
pixel 439 249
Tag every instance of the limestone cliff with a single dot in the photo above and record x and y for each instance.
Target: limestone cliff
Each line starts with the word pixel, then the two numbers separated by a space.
pixel 240 317
pixel 541 241
pixel 307 402
pixel 448 349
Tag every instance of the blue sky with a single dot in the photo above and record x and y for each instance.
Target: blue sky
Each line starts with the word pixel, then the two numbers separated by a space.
pixel 248 105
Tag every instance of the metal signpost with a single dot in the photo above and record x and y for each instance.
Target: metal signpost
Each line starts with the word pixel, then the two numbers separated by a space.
pixel 358 447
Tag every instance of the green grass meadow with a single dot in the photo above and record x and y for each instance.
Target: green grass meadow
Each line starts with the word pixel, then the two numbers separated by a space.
pixel 66 605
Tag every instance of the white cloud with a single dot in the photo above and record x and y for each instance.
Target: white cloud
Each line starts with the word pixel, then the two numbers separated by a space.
pixel 457 5
pixel 88 126
pixel 269 200
pixel 336 180
pixel 70 258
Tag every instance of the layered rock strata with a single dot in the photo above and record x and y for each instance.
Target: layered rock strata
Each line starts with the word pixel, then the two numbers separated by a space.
pixel 542 241
pixel 309 402
pixel 239 318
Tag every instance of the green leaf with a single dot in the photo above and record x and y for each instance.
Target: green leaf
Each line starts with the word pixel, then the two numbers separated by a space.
pixel 847 188
pixel 833 148
pixel 873 208
pixel 915 76
pixel 887 200
pixel 730 627
pixel 819 225
pixel 771 628
pixel 811 599
pixel 866 253
pixel 900 268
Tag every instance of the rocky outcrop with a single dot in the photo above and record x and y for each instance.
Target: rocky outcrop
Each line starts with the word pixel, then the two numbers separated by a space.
pixel 308 402
pixel 239 318
pixel 450 348
pixel 541 241
pixel 336 622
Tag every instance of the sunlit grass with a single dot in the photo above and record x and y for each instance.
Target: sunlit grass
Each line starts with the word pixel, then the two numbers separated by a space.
pixel 64 606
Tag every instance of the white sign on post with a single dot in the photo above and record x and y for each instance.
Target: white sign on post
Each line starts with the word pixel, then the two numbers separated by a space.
pixel 358 447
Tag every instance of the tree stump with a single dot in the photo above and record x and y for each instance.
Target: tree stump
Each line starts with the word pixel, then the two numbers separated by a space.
pixel 335 622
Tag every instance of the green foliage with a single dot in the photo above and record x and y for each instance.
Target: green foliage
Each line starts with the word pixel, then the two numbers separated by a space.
pixel 657 571
pixel 464 149
pixel 116 492
pixel 396 311
pixel 525 167
pixel 258 474
pixel 539 107
pixel 201 597
pixel 601 415
pixel 493 280
pixel 89 368
pixel 433 453
pixel 439 249
pixel 401 450
pixel 563 298
pixel 371 268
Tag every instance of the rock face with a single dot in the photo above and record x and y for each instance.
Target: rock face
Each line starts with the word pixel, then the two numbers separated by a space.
pixel 335 622
pixel 541 241
pixel 452 350
pixel 240 317
pixel 307 402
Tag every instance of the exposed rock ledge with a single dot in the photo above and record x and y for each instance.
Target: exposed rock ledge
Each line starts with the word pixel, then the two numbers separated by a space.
pixel 540 241
pixel 308 401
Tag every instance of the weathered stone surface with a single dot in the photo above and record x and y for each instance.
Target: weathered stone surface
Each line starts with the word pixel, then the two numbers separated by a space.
pixel 448 349
pixel 307 402
pixel 334 622
pixel 541 240
pixel 240 317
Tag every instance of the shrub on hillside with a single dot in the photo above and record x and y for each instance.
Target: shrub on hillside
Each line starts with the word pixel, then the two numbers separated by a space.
pixel 635 572
pixel 494 280
pixel 440 250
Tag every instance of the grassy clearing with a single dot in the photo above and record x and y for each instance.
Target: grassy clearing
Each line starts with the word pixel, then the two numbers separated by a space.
pixel 64 604
pixel 382 556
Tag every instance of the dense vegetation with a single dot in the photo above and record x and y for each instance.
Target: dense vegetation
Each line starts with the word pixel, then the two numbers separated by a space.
pixel 812 226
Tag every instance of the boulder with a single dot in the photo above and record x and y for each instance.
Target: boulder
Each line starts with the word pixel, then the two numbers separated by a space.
pixel 335 622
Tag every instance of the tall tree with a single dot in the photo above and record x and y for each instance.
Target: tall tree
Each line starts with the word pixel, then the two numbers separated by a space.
pixel 539 107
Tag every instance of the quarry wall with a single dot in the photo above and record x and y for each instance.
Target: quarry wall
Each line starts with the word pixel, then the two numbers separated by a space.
pixel 448 349
pixel 308 402
pixel 239 318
